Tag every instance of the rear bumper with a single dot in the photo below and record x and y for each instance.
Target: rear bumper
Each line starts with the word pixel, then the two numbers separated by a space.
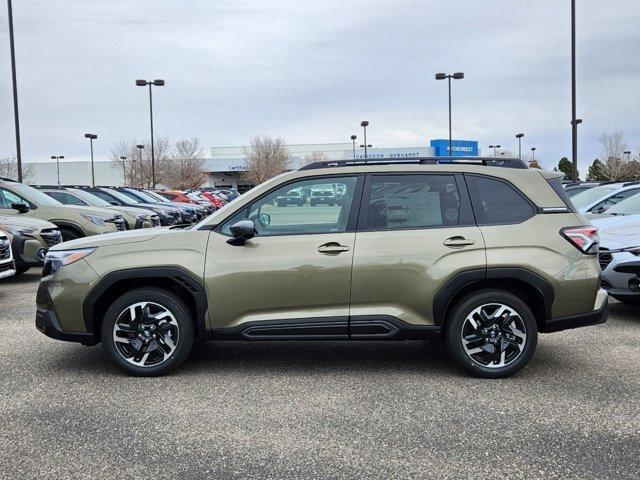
pixel 575 321
pixel 47 323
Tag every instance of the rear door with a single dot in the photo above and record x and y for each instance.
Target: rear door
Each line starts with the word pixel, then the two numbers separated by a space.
pixel 415 232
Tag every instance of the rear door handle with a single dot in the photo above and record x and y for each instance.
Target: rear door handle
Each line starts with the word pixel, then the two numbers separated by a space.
pixel 457 241
pixel 332 248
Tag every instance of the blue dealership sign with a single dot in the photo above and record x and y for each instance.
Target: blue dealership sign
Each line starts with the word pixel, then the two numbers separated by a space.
pixel 459 148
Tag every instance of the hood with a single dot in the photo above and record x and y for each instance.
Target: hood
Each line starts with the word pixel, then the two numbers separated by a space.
pixel 132 210
pixel 88 210
pixel 623 234
pixel 28 222
pixel 115 238
pixel 602 221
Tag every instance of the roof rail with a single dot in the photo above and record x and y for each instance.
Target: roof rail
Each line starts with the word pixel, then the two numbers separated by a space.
pixel 632 182
pixel 8 179
pixel 485 161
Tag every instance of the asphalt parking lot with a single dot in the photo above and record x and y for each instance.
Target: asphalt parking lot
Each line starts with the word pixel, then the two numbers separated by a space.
pixel 318 410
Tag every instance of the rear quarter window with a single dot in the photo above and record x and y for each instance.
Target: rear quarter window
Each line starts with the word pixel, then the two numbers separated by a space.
pixel 556 184
pixel 496 202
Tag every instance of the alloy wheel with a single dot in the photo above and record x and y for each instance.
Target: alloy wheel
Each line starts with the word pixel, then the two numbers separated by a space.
pixel 146 334
pixel 494 335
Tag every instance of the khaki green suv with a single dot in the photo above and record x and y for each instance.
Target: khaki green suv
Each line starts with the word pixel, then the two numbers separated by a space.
pixel 483 253
pixel 72 220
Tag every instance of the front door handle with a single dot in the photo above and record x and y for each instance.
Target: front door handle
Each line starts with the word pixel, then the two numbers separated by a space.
pixel 457 241
pixel 332 248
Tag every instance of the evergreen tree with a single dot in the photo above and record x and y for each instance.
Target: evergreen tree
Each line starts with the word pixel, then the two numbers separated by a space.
pixel 596 172
pixel 564 165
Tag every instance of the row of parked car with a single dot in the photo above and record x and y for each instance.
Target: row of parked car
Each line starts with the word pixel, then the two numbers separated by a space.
pixel 614 207
pixel 35 217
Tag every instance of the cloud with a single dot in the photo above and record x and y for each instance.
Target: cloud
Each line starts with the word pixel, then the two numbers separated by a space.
pixel 310 71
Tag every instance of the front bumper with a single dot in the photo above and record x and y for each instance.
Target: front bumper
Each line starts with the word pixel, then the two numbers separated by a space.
pixel 47 323
pixel 28 251
pixel 595 317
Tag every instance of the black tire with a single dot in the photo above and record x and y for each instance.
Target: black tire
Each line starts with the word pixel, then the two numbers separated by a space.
pixel 458 326
pixel 168 301
pixel 69 234
pixel 20 269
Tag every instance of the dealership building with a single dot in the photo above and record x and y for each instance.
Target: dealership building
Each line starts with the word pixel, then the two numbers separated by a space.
pixel 226 165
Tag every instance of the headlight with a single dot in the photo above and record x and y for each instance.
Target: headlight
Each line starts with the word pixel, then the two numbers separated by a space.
pixel 95 219
pixel 56 259
pixel 17 230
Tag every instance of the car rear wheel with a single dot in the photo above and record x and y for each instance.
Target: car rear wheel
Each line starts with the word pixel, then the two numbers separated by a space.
pixel 491 333
pixel 147 332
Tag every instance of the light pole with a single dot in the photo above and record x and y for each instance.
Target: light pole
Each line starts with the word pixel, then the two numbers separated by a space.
pixel 353 140
pixel 519 137
pixel 628 154
pixel 16 117
pixel 140 148
pixel 365 146
pixel 57 159
pixel 574 121
pixel 157 83
pixel 455 76
pixel 533 154
pixel 494 149
pixel 92 137
pixel 124 170
pixel 364 124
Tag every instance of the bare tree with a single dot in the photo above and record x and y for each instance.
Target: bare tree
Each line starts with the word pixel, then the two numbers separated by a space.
pixel 185 169
pixel 266 158
pixel 9 169
pixel 616 167
pixel 136 168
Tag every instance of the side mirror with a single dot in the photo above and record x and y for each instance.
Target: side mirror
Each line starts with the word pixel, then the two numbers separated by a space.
pixel 242 231
pixel 20 207
pixel 113 203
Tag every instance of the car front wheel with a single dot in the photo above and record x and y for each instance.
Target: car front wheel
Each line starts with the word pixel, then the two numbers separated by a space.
pixel 147 332
pixel 491 333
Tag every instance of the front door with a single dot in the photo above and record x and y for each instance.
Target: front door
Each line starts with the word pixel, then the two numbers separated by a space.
pixel 293 279
pixel 416 232
pixel 7 198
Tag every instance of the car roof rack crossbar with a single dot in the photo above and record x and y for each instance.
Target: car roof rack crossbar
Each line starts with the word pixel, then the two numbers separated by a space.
pixel 485 161
pixel 48 187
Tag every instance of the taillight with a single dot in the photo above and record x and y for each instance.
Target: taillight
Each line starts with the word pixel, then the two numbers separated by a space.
pixel 583 238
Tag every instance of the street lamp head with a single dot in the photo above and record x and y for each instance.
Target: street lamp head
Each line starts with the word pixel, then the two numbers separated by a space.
pixel 140 146
pixel 627 152
pixel 141 83
pixel 493 146
pixel 533 149
pixel 368 146
pixel 458 75
pixel 498 146
pixel 364 123
pixel 61 156
pixel 158 83
pixel 441 76
pixel 122 157
pixel 353 137
pixel 92 136
pixel 519 135
pixel 53 157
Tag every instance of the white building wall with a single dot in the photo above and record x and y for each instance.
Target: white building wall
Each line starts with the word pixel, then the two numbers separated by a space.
pixel 75 173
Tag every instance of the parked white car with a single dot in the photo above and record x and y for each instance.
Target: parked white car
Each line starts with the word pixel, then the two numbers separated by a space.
pixel 620 250
pixel 7 267
pixel 601 198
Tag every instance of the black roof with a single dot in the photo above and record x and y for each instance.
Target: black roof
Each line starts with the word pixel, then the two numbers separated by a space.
pixel 486 161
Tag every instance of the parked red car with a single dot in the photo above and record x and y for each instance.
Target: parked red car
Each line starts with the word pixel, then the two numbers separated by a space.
pixel 176 196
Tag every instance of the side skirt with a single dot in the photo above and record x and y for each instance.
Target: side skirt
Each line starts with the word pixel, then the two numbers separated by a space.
pixel 360 327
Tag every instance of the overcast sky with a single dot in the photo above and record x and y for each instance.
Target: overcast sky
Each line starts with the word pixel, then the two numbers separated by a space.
pixel 310 71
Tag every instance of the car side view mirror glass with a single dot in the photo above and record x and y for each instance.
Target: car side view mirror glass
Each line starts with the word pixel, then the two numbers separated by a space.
pixel 265 219
pixel 242 231
pixel 20 207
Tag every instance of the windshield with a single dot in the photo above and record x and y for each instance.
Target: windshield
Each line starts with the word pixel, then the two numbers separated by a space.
pixel 630 206
pixel 140 197
pixel 155 195
pixel 123 198
pixel 33 195
pixel 586 198
pixel 91 199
